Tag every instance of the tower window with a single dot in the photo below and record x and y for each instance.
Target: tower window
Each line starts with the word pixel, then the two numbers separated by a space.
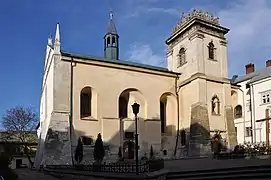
pixel 211 49
pixel 181 57
pixel 113 41
pixel 108 41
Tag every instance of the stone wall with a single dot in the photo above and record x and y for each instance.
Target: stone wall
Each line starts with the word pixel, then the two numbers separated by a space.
pixel 57 144
pixel 199 143
pixel 232 139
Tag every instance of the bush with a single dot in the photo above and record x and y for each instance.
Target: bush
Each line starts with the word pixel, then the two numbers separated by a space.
pixel 151 153
pixel 5 171
pixel 5 160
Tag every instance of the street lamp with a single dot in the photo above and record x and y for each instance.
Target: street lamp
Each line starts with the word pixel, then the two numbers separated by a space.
pixel 135 107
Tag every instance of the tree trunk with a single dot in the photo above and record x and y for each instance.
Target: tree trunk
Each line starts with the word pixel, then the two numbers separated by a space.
pixel 29 157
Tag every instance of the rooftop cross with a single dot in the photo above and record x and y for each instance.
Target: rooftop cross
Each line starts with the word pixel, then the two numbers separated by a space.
pixel 111 15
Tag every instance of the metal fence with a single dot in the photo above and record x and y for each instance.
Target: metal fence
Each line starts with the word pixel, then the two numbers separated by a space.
pixel 111 167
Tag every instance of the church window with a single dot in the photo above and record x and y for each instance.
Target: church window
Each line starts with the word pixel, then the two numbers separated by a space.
pixel 123 104
pixel 163 116
pixel 85 105
pixel 211 49
pixel 238 111
pixel 181 57
pixel 215 105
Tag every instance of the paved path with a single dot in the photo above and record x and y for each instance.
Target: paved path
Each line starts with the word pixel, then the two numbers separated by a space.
pixel 207 164
pixel 27 174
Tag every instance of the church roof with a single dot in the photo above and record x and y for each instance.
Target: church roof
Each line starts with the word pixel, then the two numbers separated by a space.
pixel 254 76
pixel 120 62
pixel 111 28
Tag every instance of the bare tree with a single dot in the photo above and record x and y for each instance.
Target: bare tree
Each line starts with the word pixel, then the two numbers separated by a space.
pixel 20 125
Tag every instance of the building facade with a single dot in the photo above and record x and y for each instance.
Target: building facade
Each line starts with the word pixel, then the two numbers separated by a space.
pixel 14 147
pixel 252 97
pixel 180 106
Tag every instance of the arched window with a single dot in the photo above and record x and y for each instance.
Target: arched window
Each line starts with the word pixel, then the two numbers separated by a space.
pixel 215 105
pixel 182 58
pixel 108 41
pixel 211 49
pixel 238 111
pixel 85 102
pixel 163 116
pixel 123 105
pixel 113 41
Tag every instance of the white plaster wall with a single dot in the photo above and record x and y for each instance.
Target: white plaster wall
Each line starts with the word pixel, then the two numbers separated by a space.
pixel 243 97
pixel 259 113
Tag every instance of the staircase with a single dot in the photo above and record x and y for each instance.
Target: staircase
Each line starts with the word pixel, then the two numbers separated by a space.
pixel 248 173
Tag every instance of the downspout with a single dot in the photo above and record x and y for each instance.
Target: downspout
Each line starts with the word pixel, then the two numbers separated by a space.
pixel 243 112
pixel 250 104
pixel 178 113
pixel 71 108
pixel 253 115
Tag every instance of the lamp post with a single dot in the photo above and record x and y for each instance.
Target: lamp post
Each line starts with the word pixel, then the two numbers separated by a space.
pixel 135 107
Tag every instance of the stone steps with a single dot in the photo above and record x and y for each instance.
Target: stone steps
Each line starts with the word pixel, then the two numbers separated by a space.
pixel 251 172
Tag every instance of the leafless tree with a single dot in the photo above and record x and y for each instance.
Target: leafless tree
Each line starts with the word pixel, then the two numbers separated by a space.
pixel 20 125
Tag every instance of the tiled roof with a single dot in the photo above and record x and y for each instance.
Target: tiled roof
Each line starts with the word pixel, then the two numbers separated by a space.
pixel 120 62
pixel 255 76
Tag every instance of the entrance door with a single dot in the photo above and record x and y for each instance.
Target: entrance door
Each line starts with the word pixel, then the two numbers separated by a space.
pixel 19 162
pixel 129 149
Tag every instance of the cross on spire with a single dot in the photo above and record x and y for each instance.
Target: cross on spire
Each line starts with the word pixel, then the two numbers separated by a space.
pixel 111 15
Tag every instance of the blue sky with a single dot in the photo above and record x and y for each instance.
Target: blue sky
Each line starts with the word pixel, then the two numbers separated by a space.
pixel 143 26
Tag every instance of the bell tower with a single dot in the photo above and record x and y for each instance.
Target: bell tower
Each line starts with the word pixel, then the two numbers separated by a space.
pixel 197 48
pixel 111 40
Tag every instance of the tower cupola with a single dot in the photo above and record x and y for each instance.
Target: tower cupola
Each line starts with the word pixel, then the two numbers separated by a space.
pixel 111 40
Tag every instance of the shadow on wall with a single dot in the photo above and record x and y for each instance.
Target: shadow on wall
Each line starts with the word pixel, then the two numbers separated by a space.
pixel 123 137
pixel 194 141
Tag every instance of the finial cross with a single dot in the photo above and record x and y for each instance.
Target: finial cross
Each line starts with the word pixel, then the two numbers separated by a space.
pixel 111 15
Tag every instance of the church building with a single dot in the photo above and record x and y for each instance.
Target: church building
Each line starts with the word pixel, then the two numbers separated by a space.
pixel 181 106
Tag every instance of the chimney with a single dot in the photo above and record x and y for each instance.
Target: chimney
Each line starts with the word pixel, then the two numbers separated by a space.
pixel 268 63
pixel 249 68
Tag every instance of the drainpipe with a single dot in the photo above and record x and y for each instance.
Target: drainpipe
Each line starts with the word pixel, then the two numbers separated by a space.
pixel 244 112
pixel 178 113
pixel 71 108
pixel 253 135
pixel 251 109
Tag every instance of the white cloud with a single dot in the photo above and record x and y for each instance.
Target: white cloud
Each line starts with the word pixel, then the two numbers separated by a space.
pixel 143 53
pixel 249 37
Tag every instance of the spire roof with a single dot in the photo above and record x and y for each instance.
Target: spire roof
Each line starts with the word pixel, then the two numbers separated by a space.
pixel 111 28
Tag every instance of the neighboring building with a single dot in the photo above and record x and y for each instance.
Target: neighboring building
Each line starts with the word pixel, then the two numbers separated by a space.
pixel 16 149
pixel 251 97
pixel 192 95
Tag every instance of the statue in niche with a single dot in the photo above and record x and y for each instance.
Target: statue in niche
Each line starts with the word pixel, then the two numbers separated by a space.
pixel 215 106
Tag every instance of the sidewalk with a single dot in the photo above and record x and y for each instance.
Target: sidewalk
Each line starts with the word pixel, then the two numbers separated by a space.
pixel 208 164
pixel 27 174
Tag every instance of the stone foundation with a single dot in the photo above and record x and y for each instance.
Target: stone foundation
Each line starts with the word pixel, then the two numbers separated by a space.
pixel 199 143
pixel 57 144
pixel 231 137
